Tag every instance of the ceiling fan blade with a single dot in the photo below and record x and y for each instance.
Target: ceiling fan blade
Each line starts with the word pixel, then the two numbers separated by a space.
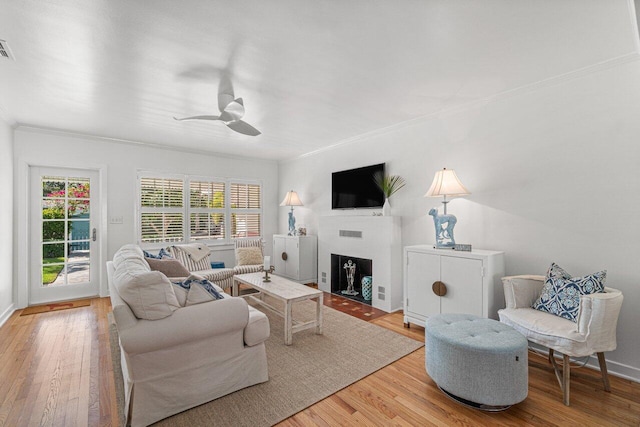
pixel 227 117
pixel 225 89
pixel 244 128
pixel 198 118
pixel 223 100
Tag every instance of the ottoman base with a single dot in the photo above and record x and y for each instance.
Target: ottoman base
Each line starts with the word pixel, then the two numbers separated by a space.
pixel 474 405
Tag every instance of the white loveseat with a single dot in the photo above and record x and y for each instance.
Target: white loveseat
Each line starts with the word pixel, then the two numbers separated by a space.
pixel 193 355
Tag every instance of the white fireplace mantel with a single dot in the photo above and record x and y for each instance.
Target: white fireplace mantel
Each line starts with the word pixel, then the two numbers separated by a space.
pixel 377 238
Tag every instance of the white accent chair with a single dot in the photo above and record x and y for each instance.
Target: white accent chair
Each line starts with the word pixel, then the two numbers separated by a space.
pixel 248 243
pixel 222 277
pixel 594 331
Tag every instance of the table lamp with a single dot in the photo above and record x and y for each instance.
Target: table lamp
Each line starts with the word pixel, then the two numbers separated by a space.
pixel 291 199
pixel 445 183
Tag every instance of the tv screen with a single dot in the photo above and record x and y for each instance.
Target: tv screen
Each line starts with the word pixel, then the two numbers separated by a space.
pixel 355 188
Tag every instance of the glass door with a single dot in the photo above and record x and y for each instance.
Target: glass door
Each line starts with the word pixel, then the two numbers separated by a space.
pixel 64 249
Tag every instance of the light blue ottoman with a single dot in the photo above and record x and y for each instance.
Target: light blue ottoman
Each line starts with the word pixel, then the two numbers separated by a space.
pixel 479 362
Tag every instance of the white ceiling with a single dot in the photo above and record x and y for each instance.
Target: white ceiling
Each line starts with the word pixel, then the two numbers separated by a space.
pixel 312 73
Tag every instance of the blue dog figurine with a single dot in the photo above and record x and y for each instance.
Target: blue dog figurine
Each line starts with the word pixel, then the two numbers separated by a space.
pixel 444 235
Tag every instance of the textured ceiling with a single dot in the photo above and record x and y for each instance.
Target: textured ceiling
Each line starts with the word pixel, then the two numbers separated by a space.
pixel 312 73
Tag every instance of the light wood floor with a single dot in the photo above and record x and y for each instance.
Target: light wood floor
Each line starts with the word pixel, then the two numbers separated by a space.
pixel 55 369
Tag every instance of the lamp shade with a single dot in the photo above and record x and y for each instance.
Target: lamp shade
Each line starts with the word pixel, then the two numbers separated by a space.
pixel 446 183
pixel 291 199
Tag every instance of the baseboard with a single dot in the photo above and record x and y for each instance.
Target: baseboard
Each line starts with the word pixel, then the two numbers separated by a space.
pixel 7 314
pixel 618 369
pixel 613 368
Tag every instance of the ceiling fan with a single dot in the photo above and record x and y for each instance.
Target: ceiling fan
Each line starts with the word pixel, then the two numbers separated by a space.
pixel 231 112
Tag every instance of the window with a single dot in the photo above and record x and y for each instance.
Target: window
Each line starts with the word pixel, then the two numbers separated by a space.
pixel 161 210
pixel 245 210
pixel 206 210
pixel 183 208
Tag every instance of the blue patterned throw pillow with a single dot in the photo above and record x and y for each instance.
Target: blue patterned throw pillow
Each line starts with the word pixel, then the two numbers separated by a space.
pixel 206 285
pixel 162 254
pixel 561 293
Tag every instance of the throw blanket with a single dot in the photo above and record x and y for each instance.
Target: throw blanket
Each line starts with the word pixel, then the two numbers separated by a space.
pixel 196 251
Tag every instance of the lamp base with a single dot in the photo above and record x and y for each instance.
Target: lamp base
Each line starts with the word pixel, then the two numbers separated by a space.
pixel 444 225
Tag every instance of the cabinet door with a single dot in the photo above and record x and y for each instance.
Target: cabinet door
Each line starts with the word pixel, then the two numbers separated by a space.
pixel 293 258
pixel 422 271
pixel 279 246
pixel 463 278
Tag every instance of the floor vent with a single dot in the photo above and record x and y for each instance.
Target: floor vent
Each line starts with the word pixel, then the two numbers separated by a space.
pixel 5 52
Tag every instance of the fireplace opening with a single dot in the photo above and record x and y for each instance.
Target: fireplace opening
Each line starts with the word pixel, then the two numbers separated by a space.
pixel 351 277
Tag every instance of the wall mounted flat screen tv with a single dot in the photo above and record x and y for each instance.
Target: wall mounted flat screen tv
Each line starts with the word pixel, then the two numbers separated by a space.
pixel 355 188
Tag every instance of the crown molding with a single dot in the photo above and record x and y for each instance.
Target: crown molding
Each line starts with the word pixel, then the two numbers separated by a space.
pixel 86 136
pixel 510 93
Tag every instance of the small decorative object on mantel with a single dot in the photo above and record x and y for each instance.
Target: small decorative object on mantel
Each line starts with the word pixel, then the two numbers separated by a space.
pixel 267 268
pixel 445 183
pixel 302 230
pixel 389 184
pixel 291 199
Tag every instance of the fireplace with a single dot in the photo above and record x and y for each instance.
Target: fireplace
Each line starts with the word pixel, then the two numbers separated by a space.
pixel 377 238
pixel 347 273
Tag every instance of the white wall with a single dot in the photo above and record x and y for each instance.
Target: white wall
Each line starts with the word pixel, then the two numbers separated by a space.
pixel 6 222
pixel 119 163
pixel 553 173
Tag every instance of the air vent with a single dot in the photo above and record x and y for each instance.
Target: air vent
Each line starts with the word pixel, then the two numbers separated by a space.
pixel 350 233
pixel 5 52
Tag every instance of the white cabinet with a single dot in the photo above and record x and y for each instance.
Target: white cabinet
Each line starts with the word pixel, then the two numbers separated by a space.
pixel 446 281
pixel 296 257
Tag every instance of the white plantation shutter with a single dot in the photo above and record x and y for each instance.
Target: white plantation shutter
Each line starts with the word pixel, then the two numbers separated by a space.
pixel 246 210
pixel 182 209
pixel 206 210
pixel 161 210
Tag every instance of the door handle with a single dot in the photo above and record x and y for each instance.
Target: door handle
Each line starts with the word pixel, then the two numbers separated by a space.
pixel 94 235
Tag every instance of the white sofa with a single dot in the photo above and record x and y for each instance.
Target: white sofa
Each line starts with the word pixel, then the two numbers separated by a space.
pixel 193 355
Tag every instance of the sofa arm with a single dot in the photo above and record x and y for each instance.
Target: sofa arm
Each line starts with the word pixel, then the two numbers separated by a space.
pixel 522 291
pixel 598 318
pixel 186 324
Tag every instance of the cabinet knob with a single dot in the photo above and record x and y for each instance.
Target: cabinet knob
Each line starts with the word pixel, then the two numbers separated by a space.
pixel 439 288
pixel 284 256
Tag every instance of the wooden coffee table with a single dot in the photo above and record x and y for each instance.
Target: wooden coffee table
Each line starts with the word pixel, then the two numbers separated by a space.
pixel 286 291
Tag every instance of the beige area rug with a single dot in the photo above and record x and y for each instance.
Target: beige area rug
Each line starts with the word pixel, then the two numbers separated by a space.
pixel 314 367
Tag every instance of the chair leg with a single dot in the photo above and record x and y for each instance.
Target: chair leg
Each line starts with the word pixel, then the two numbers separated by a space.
pixel 566 372
pixel 564 381
pixel 603 371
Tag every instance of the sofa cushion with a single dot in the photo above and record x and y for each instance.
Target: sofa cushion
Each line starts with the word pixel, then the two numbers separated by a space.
pixel 170 267
pixel 131 255
pixel 257 329
pixel 249 256
pixel 561 293
pixel 149 294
